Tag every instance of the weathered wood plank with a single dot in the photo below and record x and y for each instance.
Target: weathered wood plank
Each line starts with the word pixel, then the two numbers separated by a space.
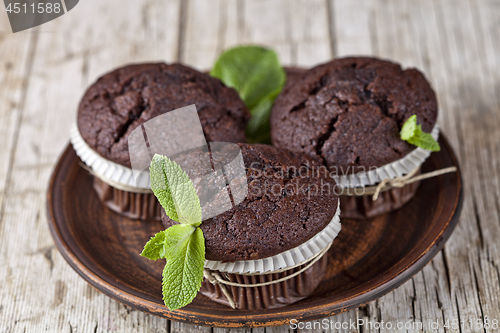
pixel 206 28
pixel 298 30
pixel 40 292
pixel 231 330
pixel 353 24
pixel 470 254
pixel 478 114
pixel 443 38
pixel 179 327
pixel 16 55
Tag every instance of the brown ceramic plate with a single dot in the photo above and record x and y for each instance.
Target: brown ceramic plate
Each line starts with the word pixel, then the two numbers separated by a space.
pixel 368 259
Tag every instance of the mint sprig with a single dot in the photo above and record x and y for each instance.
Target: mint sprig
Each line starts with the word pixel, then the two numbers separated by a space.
pixel 175 191
pixel 183 272
pixel 182 245
pixel 256 74
pixel 412 133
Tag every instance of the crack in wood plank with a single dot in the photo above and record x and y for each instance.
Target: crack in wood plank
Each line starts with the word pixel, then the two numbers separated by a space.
pixel 183 17
pixel 22 104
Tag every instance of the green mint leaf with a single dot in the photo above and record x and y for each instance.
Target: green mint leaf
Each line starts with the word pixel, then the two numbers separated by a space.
pixel 259 129
pixel 183 273
pixel 160 188
pixel 166 241
pixel 256 74
pixel 409 128
pixel 176 236
pixel 182 245
pixel 155 248
pixel 175 191
pixel 424 140
pixel 412 133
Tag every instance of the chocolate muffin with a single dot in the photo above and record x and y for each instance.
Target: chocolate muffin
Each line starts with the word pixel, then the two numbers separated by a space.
pixel 348 112
pixel 289 201
pixel 124 99
pixel 127 97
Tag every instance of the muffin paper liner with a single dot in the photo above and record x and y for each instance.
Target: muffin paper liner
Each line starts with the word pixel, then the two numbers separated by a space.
pixel 287 259
pixel 271 296
pixel 392 170
pixel 112 173
pixel 142 206
pixel 363 207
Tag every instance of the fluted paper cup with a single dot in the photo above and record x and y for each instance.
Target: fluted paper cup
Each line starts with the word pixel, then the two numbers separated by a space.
pixel 363 206
pixel 273 295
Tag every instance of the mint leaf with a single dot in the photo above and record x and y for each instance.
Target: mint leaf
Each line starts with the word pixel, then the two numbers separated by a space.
pixel 163 243
pixel 425 141
pixel 182 245
pixel 155 248
pixel 175 191
pixel 160 188
pixel 259 128
pixel 409 128
pixel 256 74
pixel 412 133
pixel 183 273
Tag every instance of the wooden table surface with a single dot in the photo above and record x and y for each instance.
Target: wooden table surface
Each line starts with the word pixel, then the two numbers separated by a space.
pixel 44 71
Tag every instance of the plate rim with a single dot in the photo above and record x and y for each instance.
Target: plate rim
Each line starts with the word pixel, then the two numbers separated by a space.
pixel 258 318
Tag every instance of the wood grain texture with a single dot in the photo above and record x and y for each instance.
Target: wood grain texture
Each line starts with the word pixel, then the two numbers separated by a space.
pixel 449 41
pixel 16 53
pixel 38 291
pixel 456 44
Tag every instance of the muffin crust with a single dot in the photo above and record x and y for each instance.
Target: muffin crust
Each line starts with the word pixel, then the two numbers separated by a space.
pixel 125 98
pixel 348 113
pixel 289 201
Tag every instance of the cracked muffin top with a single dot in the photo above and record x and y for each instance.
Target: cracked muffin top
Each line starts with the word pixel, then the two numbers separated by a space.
pixel 290 199
pixel 125 98
pixel 348 113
